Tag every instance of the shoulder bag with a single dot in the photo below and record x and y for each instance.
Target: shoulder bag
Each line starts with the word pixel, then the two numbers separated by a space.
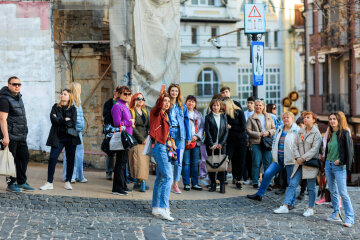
pixel 265 142
pixel 72 132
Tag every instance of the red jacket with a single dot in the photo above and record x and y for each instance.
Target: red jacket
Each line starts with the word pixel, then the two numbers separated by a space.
pixel 159 122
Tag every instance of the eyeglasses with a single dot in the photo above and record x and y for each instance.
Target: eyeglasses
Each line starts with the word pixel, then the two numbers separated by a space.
pixel 66 89
pixel 16 84
pixel 127 94
pixel 140 99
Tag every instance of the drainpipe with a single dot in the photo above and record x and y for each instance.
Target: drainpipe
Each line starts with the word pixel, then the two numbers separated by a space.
pixel 303 14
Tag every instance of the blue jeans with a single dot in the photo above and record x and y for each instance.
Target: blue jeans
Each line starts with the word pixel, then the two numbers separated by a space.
pixel 78 173
pixel 190 166
pixel 294 182
pixel 336 179
pixel 180 144
pixel 270 172
pixel 164 177
pixel 259 154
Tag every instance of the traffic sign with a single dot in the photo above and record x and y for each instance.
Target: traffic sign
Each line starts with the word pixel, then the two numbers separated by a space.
pixel 254 18
pixel 258 62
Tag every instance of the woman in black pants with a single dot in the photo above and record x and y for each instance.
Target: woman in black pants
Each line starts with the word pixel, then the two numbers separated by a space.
pixel 216 132
pixel 62 134
pixel 236 141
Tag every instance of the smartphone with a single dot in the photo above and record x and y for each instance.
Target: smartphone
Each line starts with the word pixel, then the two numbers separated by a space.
pixel 162 88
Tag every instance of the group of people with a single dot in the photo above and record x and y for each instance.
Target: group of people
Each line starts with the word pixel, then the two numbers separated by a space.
pixel 182 140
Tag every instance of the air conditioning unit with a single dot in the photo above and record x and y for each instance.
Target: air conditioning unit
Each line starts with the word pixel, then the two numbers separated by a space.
pixel 331 107
pixel 321 58
pixel 312 60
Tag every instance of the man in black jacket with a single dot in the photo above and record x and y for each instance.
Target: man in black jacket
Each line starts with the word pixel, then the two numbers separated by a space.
pixel 109 161
pixel 14 132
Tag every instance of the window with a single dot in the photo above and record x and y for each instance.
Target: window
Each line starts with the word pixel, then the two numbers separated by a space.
pixel 208 82
pixel 245 84
pixel 193 35
pixel 272 86
pixel 238 38
pixel 271 83
pixel 203 2
pixel 214 31
pixel 266 36
pixel 276 39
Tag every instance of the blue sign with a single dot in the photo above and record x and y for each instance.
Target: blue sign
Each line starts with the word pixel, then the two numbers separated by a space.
pixel 258 62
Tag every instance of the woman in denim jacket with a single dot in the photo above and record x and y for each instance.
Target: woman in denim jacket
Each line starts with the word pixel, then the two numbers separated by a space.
pixel 180 129
pixel 78 173
pixel 190 168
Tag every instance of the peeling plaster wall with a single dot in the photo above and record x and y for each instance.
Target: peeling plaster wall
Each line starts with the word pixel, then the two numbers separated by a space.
pixel 26 51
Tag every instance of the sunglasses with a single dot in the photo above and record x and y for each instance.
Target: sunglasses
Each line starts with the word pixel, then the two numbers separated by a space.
pixel 140 99
pixel 66 89
pixel 127 94
pixel 260 99
pixel 274 108
pixel 16 84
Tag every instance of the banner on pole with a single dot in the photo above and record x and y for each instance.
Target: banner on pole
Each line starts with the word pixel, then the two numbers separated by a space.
pixel 258 62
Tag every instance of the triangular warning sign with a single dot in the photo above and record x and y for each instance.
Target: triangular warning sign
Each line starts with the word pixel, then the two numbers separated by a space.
pixel 254 12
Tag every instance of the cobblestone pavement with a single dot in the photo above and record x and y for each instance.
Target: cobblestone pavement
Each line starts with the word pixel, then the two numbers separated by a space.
pixel 29 216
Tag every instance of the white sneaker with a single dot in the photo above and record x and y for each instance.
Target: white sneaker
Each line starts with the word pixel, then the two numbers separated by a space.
pixel 73 181
pixel 68 186
pixel 282 209
pixel 248 182
pixel 47 186
pixel 308 212
pixel 165 215
pixel 204 182
pixel 334 219
pixel 155 211
pixel 84 180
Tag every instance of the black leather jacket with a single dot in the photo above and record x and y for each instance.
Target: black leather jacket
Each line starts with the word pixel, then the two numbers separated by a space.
pixel 346 149
pixel 211 131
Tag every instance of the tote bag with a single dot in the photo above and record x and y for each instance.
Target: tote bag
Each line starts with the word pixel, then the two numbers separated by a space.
pixel 116 142
pixel 7 165
pixel 217 163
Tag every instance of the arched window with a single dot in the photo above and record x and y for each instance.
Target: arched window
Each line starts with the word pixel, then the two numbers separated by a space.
pixel 208 82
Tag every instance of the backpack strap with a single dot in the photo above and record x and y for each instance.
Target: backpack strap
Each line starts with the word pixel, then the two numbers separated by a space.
pixel 132 113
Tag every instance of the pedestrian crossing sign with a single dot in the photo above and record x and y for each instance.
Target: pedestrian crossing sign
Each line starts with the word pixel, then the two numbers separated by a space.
pixel 254 18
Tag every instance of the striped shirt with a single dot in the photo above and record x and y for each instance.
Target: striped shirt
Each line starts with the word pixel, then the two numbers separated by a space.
pixel 281 148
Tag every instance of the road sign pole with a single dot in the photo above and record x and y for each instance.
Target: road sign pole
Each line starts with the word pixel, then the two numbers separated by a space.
pixel 255 88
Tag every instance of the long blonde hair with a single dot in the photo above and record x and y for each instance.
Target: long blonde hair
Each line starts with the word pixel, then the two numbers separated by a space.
pixel 230 107
pixel 180 98
pixel 76 92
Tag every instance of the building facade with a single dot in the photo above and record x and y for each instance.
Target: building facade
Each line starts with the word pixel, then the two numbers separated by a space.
pixel 205 68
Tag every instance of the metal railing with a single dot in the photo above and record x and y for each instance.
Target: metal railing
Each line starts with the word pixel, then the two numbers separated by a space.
pixel 333 102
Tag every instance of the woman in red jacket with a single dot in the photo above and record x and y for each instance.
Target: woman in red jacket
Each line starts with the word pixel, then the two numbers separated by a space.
pixel 159 132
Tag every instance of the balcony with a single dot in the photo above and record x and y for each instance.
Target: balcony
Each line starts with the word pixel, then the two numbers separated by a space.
pixel 335 102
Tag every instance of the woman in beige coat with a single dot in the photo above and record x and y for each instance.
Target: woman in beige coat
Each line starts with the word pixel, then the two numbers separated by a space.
pixel 259 125
pixel 306 147
pixel 139 163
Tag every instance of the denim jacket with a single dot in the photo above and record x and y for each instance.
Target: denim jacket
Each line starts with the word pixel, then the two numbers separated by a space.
pixel 80 122
pixel 183 120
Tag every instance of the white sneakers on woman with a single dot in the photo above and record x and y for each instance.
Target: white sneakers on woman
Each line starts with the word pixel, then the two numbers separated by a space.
pixel 308 212
pixel 163 213
pixel 68 186
pixel 282 209
pixel 47 186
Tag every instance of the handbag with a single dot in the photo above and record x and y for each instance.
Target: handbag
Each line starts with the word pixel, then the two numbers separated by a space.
pixel 314 162
pixel 72 132
pixel 192 145
pixel 147 148
pixel 266 143
pixel 217 163
pixel 128 141
pixel 7 165
pixel 115 143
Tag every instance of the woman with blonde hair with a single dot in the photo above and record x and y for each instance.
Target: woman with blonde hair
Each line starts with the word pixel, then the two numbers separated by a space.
pixel 259 125
pixel 62 134
pixel 237 140
pixel 78 174
pixel 180 129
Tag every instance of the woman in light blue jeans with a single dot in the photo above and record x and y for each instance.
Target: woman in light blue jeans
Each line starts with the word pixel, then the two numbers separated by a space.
pixel 339 156
pixel 180 129
pixel 306 147
pixel 78 174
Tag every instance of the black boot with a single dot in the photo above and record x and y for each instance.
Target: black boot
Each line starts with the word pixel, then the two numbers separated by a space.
pixel 212 187
pixel 254 197
pixel 222 188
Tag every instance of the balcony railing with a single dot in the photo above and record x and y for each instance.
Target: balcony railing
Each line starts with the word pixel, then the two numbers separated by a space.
pixel 335 102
